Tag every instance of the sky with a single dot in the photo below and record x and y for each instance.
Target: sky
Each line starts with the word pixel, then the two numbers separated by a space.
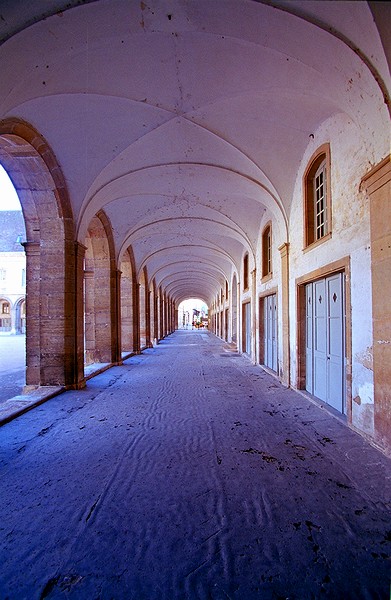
pixel 8 197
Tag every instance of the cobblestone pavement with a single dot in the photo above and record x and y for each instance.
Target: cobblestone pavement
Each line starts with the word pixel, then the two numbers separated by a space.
pixel 188 473
pixel 12 365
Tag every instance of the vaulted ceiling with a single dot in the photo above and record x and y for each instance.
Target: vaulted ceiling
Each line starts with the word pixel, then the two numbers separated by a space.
pixel 186 120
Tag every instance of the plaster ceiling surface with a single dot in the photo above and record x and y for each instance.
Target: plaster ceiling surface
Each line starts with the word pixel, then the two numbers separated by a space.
pixel 186 120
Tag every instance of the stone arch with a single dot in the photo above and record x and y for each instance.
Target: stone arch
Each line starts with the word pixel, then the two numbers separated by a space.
pixel 20 315
pixel 5 313
pixel 102 338
pixel 50 254
pixel 127 303
pixel 154 313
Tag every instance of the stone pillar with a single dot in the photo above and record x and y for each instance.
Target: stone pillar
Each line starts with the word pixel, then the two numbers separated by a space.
pixel 168 318
pixel 33 329
pixel 89 317
pixel 284 368
pixel 155 317
pixel 239 318
pixel 148 318
pixel 115 301
pixel 377 184
pixel 254 313
pixel 13 315
pixel 161 310
pixel 136 317
pixel 78 377
pixel 174 316
pixel 164 316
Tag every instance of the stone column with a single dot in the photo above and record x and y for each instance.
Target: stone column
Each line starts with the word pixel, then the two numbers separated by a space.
pixel 284 369
pixel 33 333
pixel 13 315
pixel 78 376
pixel 168 317
pixel 165 313
pixel 377 184
pixel 155 318
pixel 239 319
pixel 89 317
pixel 136 317
pixel 254 320
pixel 115 301
pixel 161 309
pixel 174 316
pixel 148 318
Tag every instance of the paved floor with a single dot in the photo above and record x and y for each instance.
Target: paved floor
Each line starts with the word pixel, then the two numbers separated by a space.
pixel 12 365
pixel 188 473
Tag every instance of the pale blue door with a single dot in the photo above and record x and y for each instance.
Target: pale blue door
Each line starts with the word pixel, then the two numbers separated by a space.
pixel 320 340
pixel 247 328
pixel 325 340
pixel 335 342
pixel 270 331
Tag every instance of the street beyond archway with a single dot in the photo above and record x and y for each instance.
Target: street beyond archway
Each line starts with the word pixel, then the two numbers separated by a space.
pixel 12 365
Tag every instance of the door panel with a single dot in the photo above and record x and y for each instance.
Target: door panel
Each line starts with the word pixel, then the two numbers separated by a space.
pixel 325 343
pixel 274 332
pixel 270 331
pixel 247 328
pixel 309 350
pixel 320 343
pixel 335 356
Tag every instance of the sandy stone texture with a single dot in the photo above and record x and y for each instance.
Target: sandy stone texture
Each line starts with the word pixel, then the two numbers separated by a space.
pixel 189 473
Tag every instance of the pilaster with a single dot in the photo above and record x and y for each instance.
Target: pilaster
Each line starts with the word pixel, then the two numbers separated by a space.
pixel 284 368
pixel 377 184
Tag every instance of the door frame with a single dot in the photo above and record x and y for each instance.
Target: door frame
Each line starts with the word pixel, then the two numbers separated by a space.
pixel 339 266
pixel 261 301
pixel 244 327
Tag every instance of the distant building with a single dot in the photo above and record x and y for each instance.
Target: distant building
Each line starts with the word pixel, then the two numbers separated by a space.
pixel 12 273
pixel 192 311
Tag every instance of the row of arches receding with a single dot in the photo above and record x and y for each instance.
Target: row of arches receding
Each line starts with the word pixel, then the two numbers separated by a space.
pixel 81 309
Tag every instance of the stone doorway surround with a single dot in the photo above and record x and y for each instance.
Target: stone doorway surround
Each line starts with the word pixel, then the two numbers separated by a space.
pixel 377 184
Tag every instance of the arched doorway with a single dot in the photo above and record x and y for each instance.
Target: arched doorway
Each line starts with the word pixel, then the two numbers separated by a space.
pixel 20 317
pixel 97 295
pixel 50 254
pixel 5 315
pixel 127 317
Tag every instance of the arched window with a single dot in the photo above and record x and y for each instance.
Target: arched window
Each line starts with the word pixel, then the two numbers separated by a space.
pixel 245 272
pixel 267 251
pixel 317 197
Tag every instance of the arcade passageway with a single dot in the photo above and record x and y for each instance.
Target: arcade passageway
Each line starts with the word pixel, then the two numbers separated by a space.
pixel 190 473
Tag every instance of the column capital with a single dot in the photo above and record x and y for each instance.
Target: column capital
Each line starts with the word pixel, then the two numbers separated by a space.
pixel 378 176
pixel 31 247
pixel 284 249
